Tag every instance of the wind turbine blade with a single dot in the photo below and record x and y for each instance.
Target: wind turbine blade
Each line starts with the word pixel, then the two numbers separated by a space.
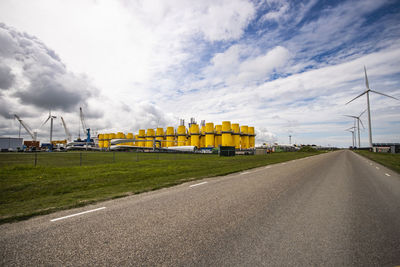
pixel 361 123
pixel 384 94
pixel 350 116
pixel 361 113
pixel 356 97
pixel 366 78
pixel 48 118
pixel 350 128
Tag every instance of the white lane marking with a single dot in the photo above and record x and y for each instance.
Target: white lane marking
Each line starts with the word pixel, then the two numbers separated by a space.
pixel 387 174
pixel 267 167
pixel 370 164
pixel 244 173
pixel 193 185
pixel 76 214
pixel 377 168
pixel 283 163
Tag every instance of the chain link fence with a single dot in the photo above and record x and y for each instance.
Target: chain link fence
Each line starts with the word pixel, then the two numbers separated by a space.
pixel 83 158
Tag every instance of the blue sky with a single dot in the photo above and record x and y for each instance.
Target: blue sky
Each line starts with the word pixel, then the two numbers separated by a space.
pixel 285 67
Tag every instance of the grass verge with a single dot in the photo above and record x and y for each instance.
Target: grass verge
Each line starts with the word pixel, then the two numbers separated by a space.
pixel 27 191
pixel 392 161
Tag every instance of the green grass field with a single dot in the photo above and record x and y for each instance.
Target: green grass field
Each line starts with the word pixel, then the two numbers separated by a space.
pixel 392 161
pixel 58 182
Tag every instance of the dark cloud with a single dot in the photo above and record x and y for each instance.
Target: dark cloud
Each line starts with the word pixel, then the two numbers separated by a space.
pixel 4 111
pixel 51 93
pixel 48 83
pixel 6 77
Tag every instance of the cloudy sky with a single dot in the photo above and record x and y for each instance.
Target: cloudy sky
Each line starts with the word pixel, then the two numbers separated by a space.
pixel 285 67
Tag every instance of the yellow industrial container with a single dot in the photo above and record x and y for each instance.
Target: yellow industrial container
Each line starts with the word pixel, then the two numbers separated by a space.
pixel 150 137
pixel 106 140
pixel 101 141
pixel 120 135
pixel 142 136
pixel 203 137
pixel 170 135
pixel 181 134
pixel 252 138
pixel 129 136
pixel 136 143
pixel 194 135
pixel 209 134
pixel 236 135
pixel 160 136
pixel 226 134
pixel 218 135
pixel 244 137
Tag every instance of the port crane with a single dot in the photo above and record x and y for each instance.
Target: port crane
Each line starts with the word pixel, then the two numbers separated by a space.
pixel 28 129
pixel 84 126
pixel 67 132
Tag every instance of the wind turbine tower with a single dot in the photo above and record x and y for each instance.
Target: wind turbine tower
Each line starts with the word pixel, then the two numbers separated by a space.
pixel 358 118
pixel 352 135
pixel 51 118
pixel 368 106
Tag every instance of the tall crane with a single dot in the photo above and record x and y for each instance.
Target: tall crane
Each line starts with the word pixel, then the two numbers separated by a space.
pixel 26 127
pixel 84 127
pixel 67 132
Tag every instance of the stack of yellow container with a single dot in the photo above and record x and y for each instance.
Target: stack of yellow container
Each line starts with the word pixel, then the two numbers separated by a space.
pixel 208 136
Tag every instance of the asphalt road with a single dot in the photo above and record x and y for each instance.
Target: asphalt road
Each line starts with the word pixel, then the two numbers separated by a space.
pixel 334 209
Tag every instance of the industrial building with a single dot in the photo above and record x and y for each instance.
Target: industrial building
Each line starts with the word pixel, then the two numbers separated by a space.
pixel 204 136
pixel 10 144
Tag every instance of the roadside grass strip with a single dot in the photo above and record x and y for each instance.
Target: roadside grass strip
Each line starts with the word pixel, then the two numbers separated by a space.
pixel 27 191
pixel 391 161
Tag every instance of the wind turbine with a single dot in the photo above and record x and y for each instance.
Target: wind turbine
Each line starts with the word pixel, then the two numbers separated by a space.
pixel 352 134
pixel 358 118
pixel 50 117
pixel 368 107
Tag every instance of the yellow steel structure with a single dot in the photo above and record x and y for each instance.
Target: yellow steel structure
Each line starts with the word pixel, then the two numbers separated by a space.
pixel 244 137
pixel 106 143
pixel 226 134
pixel 203 137
pixel 218 135
pixel 142 136
pixel 120 135
pixel 181 134
pixel 160 136
pixel 194 135
pixel 170 135
pixel 129 136
pixel 150 137
pixel 209 135
pixel 101 141
pixel 252 138
pixel 236 135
